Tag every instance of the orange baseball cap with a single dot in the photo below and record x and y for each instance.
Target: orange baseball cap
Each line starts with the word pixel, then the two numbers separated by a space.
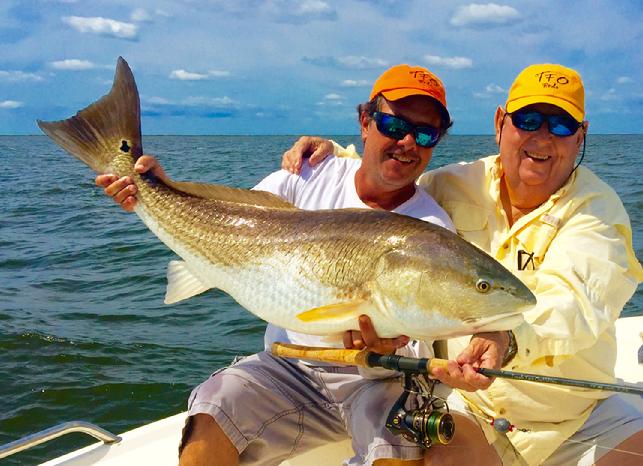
pixel 403 80
pixel 548 84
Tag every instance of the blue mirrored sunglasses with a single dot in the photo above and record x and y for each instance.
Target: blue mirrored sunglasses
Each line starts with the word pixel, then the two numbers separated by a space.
pixel 559 125
pixel 397 128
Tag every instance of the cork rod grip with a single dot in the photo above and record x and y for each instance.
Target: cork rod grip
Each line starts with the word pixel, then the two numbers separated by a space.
pixel 361 358
pixel 336 355
pixel 435 362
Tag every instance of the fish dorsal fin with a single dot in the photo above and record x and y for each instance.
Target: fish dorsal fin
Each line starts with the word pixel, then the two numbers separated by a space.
pixel 182 283
pixel 333 312
pixel 227 194
pixel 109 125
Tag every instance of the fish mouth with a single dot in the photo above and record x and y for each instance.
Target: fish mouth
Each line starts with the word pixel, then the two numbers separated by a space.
pixel 536 156
pixel 499 323
pixel 527 296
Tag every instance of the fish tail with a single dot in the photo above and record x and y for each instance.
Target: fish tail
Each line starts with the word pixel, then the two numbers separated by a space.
pixel 109 127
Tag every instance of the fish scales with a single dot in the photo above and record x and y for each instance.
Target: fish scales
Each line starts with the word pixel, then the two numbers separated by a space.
pixel 322 244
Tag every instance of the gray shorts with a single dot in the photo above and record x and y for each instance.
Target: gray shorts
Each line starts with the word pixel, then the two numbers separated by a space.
pixel 613 420
pixel 272 409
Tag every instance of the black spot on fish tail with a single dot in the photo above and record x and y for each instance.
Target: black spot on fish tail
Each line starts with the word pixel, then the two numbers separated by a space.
pixel 124 146
pixel 151 179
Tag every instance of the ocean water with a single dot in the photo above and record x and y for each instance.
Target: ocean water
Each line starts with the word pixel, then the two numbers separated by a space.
pixel 84 333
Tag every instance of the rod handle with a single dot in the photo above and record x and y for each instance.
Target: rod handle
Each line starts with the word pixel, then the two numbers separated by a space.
pixel 361 358
pixel 336 355
pixel 435 362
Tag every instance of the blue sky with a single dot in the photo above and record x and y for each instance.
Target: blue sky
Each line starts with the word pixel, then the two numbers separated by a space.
pixel 300 67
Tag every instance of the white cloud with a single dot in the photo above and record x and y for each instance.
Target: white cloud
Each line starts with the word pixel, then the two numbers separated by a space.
pixel 610 96
pixel 456 63
pixel 10 104
pixel 218 73
pixel 361 62
pixel 194 101
pixel 315 7
pixel 154 100
pixel 17 76
pixel 299 12
pixel 490 90
pixel 333 100
pixel 163 13
pixel 624 80
pixel 495 89
pixel 354 83
pixel 195 106
pixel 490 13
pixel 72 64
pixel 349 62
pixel 103 26
pixel 224 101
pixel 140 15
pixel 184 75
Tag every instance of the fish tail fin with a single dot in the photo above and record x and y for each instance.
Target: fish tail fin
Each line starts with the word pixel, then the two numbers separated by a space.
pixel 112 124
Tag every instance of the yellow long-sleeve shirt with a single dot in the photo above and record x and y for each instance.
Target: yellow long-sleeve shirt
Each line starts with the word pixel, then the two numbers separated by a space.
pixel 575 253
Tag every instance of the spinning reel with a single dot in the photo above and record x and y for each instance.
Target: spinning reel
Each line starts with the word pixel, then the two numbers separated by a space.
pixel 427 425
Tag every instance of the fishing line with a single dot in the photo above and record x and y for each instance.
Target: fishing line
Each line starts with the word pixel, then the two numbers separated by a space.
pixel 603 447
pixel 490 421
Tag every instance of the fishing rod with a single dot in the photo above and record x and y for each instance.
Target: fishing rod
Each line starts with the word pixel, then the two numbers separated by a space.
pixel 365 358
pixel 418 415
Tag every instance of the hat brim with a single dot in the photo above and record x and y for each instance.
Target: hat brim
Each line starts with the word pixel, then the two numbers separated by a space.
pixel 397 94
pixel 573 110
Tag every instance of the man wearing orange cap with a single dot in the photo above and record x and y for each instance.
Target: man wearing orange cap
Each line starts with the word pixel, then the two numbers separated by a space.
pixel 262 409
pixel 566 235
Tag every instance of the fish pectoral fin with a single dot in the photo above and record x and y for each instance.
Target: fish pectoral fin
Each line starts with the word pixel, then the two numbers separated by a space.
pixel 181 283
pixel 337 311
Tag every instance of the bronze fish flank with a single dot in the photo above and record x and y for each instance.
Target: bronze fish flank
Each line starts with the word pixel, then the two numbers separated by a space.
pixel 309 271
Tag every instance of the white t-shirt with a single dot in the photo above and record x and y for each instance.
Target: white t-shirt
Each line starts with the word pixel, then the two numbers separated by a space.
pixel 331 185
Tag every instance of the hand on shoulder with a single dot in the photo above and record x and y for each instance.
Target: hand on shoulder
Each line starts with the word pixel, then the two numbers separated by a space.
pixel 314 148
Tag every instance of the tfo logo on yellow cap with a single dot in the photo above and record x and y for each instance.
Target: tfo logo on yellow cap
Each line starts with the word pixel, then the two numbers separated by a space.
pixel 550 84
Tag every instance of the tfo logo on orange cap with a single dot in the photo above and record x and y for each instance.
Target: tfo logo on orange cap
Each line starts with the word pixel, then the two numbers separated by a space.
pixel 403 80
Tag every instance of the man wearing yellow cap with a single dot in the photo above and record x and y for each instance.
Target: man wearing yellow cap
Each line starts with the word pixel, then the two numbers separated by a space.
pixel 262 409
pixel 566 234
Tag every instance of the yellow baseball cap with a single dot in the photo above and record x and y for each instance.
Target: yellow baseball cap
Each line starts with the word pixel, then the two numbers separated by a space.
pixel 548 84
pixel 403 80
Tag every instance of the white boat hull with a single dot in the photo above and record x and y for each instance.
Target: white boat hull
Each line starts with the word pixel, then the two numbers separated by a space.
pixel 157 443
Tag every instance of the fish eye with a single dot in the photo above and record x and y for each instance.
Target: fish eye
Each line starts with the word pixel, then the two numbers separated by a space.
pixel 483 286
